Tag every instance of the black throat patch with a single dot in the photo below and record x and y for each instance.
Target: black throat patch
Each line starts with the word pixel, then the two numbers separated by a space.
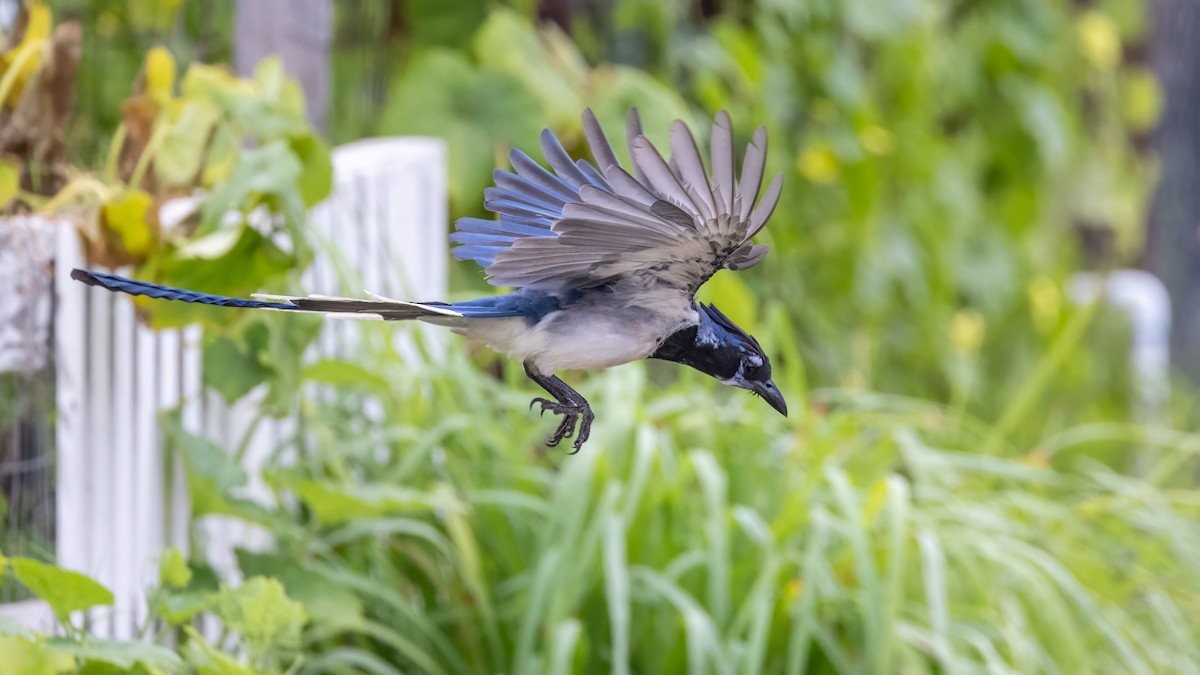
pixel 719 360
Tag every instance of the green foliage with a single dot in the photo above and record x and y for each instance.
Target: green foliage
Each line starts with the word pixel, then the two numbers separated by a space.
pixel 262 613
pixel 173 570
pixel 937 159
pixel 65 591
pixel 259 612
pixel 24 655
pixel 704 533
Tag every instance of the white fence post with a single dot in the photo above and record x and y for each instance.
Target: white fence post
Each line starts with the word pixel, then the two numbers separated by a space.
pixel 119 500
pixel 109 390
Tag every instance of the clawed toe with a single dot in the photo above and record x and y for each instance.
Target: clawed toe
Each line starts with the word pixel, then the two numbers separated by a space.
pixel 576 413
pixel 564 430
pixel 573 415
pixel 546 404
pixel 585 429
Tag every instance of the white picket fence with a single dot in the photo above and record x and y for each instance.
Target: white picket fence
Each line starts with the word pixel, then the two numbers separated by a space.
pixel 120 500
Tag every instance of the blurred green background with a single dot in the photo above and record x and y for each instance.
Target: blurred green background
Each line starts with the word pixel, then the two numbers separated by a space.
pixel 969 481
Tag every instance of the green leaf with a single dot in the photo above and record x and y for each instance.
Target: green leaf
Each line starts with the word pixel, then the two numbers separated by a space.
pixel 273 85
pixel 334 504
pixel 231 370
pixel 124 655
pixel 324 600
pixel 265 109
pixel 261 611
pixel 269 169
pixel 288 337
pixel 180 157
pixel 1044 119
pixel 316 176
pixel 173 569
pixel 27 656
pixel 178 609
pixel 65 591
pixel 208 661
pixel 233 261
pixel 211 472
pixel 345 374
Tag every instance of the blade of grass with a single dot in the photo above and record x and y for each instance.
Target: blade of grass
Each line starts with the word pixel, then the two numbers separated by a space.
pixel 616 590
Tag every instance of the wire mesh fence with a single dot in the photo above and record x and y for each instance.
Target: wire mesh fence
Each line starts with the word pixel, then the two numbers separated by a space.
pixel 27 404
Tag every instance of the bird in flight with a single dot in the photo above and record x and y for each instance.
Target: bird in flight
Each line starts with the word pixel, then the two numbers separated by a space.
pixel 605 262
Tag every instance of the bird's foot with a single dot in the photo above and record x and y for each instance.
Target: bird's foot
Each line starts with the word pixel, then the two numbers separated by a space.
pixel 573 414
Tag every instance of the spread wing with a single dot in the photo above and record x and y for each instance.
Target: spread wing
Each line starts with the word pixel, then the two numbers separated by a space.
pixel 669 222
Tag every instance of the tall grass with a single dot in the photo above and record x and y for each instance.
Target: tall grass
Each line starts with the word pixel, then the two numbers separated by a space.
pixel 699 532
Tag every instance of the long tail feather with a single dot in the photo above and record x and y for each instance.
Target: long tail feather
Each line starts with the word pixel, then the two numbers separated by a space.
pixel 391 310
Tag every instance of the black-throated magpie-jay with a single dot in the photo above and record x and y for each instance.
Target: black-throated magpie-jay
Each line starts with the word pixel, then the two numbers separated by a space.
pixel 606 264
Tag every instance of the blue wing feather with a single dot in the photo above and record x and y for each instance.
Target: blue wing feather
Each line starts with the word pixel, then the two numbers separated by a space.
pixel 527 304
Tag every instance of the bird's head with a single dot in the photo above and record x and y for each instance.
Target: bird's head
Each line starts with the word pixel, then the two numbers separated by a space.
pixel 720 348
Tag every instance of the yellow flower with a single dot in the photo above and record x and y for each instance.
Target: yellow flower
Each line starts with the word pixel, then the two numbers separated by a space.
pixel 1142 104
pixel 792 590
pixel 160 75
pixel 819 164
pixel 876 140
pixel 1045 302
pixel 967 330
pixel 1099 40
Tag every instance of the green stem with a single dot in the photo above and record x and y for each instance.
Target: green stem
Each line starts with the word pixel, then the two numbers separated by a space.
pixel 244 444
pixel 114 153
pixel 143 163
pixel 1033 387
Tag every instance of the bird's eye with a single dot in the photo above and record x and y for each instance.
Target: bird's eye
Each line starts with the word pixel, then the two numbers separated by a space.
pixel 756 369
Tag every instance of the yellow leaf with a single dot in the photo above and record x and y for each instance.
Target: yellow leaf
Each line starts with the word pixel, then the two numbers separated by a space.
pixel 126 216
pixel 1142 104
pixel 22 61
pixel 1099 40
pixel 160 75
pixel 10 180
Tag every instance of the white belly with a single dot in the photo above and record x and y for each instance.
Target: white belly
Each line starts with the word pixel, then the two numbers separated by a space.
pixel 580 340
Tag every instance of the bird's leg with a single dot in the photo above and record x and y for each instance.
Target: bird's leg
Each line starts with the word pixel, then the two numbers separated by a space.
pixel 568 403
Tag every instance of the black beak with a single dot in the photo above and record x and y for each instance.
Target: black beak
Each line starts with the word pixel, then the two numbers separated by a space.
pixel 771 395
